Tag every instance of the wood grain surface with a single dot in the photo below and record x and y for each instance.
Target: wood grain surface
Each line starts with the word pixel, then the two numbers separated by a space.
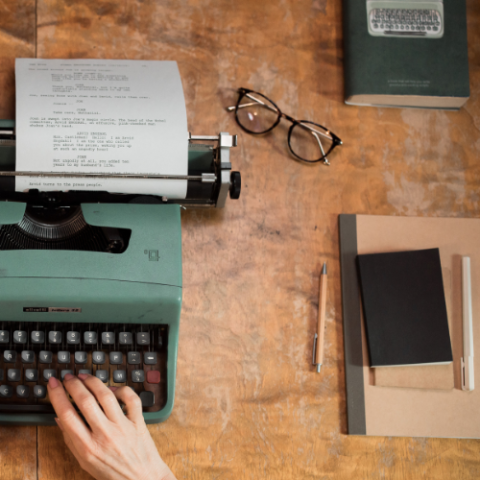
pixel 248 403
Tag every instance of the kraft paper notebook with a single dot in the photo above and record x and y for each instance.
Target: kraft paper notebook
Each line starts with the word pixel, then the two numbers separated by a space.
pixel 436 406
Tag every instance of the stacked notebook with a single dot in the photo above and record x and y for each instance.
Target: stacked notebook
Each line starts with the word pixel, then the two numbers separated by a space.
pixel 402 314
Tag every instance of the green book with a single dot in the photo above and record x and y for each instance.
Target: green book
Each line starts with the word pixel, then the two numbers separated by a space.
pixel 406 53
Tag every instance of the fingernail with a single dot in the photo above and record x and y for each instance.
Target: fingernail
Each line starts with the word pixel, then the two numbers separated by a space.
pixel 83 376
pixel 59 423
pixel 68 376
pixel 53 382
pixel 113 388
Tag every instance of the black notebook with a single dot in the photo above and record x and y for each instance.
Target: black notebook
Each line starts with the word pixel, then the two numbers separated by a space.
pixel 404 308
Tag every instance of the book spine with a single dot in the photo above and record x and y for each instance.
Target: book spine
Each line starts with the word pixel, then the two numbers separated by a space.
pixel 348 24
pixel 352 326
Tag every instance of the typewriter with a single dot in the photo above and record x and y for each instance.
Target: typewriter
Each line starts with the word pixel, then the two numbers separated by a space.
pixel 91 282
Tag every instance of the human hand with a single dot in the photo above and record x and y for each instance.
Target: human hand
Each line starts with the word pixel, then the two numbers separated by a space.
pixel 113 445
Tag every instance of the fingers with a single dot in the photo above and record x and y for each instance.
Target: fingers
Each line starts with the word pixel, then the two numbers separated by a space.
pixel 104 396
pixel 71 421
pixel 133 404
pixel 85 391
pixel 86 403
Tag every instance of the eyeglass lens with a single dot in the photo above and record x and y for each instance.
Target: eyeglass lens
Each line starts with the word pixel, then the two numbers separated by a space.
pixel 309 142
pixel 256 113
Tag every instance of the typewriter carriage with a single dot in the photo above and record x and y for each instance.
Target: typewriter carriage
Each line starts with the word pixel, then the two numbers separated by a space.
pixel 54 220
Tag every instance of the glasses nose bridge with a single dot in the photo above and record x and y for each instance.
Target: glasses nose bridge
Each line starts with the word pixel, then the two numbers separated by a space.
pixel 287 117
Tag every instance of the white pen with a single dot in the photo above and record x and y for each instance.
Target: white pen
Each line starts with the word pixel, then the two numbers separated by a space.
pixel 468 381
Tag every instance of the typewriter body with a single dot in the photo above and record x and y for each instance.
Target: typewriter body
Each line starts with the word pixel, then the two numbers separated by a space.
pixel 92 282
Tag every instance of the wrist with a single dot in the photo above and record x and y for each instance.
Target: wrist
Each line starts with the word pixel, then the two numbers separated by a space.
pixel 160 471
pixel 165 474
pixel 168 476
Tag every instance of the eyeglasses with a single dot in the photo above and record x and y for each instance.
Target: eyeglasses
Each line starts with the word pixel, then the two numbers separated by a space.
pixel 307 141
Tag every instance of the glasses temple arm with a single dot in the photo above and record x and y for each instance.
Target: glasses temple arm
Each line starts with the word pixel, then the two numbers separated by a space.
pixel 303 125
pixel 325 159
pixel 243 105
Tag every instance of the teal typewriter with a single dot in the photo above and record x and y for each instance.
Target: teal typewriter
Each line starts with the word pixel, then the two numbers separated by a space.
pixel 91 282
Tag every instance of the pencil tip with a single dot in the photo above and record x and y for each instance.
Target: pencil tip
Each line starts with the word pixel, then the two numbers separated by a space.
pixel 324 269
pixel 318 368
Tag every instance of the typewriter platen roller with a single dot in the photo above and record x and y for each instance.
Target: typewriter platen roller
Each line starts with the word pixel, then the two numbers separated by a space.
pixel 92 282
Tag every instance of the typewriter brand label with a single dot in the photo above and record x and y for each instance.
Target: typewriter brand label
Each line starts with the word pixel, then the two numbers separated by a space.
pixel 51 310
pixel 153 255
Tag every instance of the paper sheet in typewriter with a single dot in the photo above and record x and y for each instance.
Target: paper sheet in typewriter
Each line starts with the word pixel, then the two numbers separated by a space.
pixel 108 116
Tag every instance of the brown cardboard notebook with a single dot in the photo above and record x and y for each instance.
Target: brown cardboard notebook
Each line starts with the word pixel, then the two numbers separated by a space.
pixel 393 411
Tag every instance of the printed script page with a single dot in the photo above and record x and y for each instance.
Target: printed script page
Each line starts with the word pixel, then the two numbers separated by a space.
pixel 101 116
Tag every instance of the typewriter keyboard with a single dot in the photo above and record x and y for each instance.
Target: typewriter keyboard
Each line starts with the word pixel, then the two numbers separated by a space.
pixel 407 22
pixel 117 354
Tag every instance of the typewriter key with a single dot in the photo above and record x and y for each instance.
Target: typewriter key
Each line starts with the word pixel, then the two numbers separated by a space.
pixel 55 337
pixel 119 376
pixel 37 336
pixel 73 338
pixel 133 358
pixel 39 391
pixel 116 358
pixel 19 336
pixel 28 356
pixel 102 375
pixel 23 391
pixel 90 338
pixel 98 358
pixel 31 374
pixel 49 372
pixel 150 358
pixel 143 338
pixel 13 374
pixel 138 376
pixel 45 356
pixel 6 391
pixel 80 358
pixel 108 338
pixel 124 338
pixel 153 376
pixel 148 399
pixel 63 357
pixel 10 356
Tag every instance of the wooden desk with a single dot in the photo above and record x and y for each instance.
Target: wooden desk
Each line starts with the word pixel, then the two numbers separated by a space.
pixel 248 403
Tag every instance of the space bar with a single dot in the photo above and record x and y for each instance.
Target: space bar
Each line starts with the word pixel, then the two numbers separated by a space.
pixel 26 409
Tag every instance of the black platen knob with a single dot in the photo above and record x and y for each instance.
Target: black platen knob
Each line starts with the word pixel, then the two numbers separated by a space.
pixel 235 185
